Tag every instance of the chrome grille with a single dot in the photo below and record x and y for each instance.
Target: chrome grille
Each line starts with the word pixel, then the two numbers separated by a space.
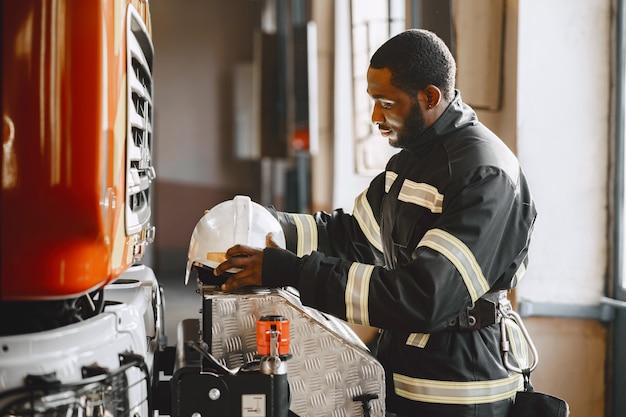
pixel 139 169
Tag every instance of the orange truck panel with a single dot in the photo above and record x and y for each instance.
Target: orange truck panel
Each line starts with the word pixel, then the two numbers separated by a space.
pixel 64 157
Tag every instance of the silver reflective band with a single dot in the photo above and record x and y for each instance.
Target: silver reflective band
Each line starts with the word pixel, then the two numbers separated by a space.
pixel 450 392
pixel 357 293
pixel 367 222
pixel 390 177
pixel 423 195
pixel 461 257
pixel 418 339
pixel 519 274
pixel 307 233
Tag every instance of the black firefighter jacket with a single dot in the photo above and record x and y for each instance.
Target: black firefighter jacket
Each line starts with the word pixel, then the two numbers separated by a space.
pixel 448 221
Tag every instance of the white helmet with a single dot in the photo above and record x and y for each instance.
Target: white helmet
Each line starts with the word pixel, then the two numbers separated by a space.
pixel 236 221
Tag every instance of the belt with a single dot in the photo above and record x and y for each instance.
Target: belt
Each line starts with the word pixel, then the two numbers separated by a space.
pixel 484 312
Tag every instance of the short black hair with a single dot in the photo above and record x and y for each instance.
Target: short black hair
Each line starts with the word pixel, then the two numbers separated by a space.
pixel 417 58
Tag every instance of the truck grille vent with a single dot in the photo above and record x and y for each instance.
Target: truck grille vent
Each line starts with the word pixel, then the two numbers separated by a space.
pixel 139 169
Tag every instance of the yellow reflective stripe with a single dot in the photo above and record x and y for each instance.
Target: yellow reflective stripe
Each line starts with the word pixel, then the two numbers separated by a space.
pixel 307 233
pixel 367 222
pixel 517 344
pixel 418 339
pixel 461 257
pixel 390 177
pixel 357 293
pixel 450 392
pixel 421 194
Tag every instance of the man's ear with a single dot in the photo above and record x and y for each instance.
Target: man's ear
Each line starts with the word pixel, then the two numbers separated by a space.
pixel 433 96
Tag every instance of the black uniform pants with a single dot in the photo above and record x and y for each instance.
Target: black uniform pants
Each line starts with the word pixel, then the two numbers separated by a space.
pixel 498 409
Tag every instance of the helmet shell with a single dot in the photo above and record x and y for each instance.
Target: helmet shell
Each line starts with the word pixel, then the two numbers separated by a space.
pixel 232 222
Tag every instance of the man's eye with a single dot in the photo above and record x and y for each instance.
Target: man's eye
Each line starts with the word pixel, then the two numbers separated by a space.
pixel 385 106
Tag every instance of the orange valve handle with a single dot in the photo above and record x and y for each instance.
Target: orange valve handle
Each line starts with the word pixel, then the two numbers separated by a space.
pixel 265 326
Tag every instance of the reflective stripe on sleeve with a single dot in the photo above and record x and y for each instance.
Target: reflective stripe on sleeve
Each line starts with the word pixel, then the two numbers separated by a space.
pixel 519 274
pixel 421 194
pixel 450 392
pixel 307 233
pixel 418 339
pixel 367 222
pixel 357 293
pixel 390 177
pixel 461 257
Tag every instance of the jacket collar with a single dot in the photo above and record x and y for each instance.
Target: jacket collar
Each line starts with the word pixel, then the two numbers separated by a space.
pixel 456 116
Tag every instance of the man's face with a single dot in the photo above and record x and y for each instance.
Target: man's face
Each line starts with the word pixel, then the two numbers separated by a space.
pixel 399 117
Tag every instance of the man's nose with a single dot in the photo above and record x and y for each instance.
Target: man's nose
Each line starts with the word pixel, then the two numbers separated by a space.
pixel 377 114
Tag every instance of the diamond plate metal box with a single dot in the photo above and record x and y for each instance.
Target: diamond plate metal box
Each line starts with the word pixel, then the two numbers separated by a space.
pixel 330 365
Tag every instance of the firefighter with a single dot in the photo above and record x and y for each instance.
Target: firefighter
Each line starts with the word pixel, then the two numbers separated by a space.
pixel 430 249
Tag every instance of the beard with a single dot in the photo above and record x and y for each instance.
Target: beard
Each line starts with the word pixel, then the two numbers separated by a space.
pixel 414 126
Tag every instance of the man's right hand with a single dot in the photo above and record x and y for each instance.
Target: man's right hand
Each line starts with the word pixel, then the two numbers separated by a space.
pixel 249 260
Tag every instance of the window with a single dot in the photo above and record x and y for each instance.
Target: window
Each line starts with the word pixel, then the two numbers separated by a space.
pixel 373 22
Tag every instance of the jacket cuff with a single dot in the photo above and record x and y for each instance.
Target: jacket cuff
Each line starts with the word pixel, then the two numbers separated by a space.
pixel 281 268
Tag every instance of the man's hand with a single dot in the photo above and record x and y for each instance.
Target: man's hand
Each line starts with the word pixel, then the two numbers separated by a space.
pixel 249 260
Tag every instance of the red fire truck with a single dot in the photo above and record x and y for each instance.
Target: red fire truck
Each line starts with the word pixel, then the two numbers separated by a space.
pixel 80 317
